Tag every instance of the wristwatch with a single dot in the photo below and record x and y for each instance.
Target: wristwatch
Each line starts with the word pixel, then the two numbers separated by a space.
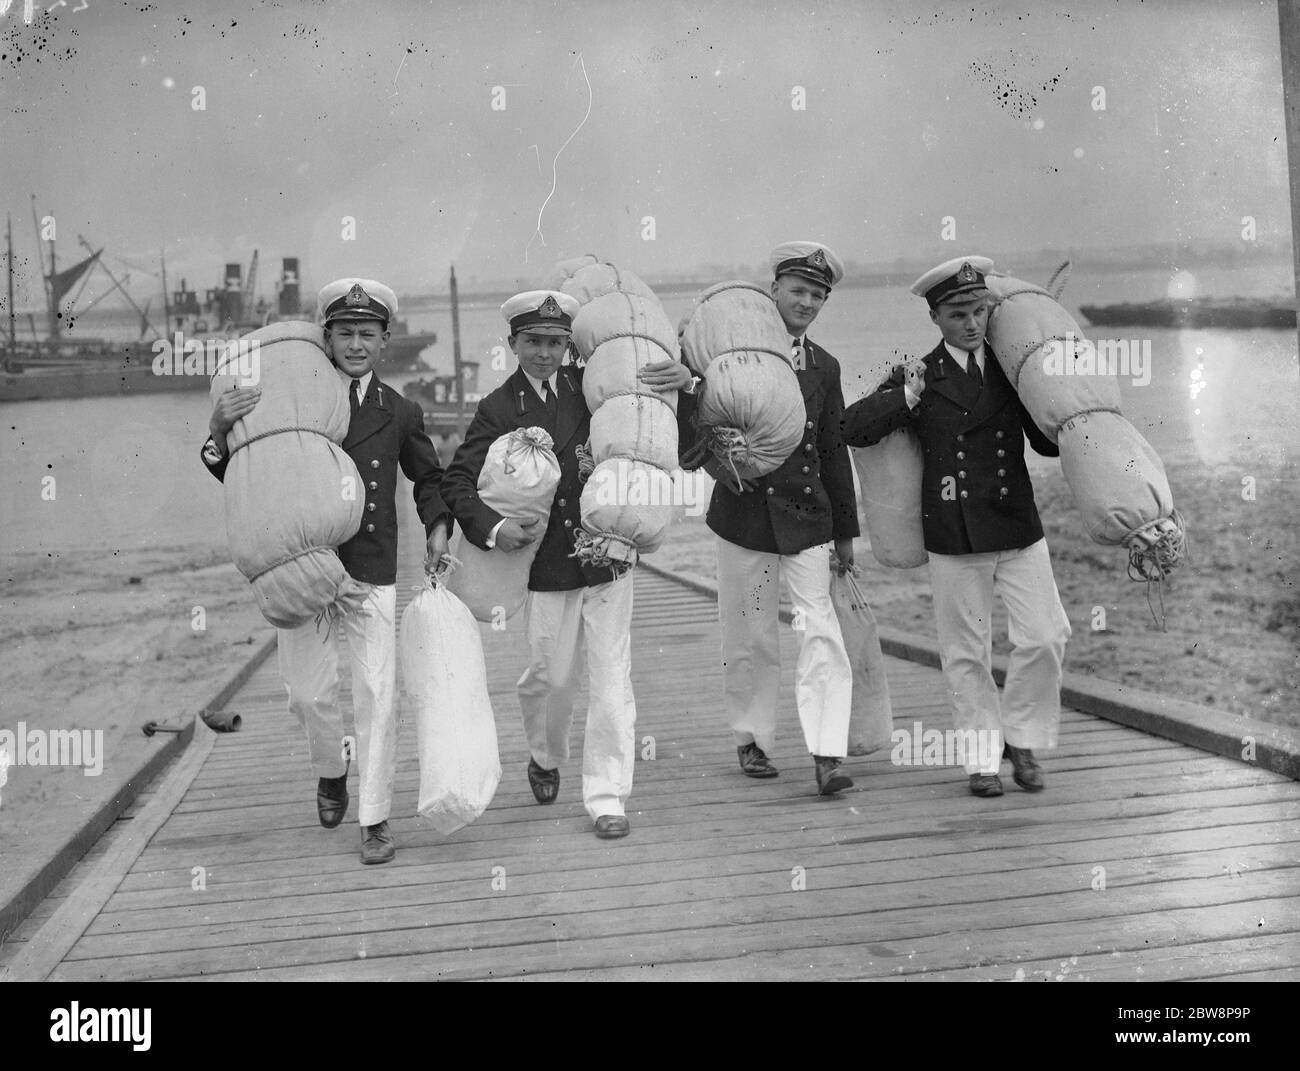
pixel 212 452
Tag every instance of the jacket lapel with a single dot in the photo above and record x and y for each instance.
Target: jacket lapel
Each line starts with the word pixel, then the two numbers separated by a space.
pixel 528 408
pixel 571 405
pixel 375 413
pixel 950 380
pixel 811 376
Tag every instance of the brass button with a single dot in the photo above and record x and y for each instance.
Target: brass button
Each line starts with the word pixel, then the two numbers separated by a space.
pixel 963 494
pixel 568 524
pixel 961 475
pixel 807 490
pixel 1002 491
pixel 771 490
pixel 373 485
pixel 961 438
pixel 1002 472
pixel 999 435
pixel 371 507
pixel 808 425
pixel 807 448
pixel 560 503
pixel 805 469
pixel 374 464
pixel 1002 453
pixel 370 528
pixel 961 456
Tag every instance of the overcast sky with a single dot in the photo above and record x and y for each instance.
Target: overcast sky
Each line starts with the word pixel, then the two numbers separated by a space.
pixel 382 111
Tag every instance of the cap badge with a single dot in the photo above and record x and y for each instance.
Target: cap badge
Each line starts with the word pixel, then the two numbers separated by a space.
pixel 818 260
pixel 550 309
pixel 966 274
pixel 357 298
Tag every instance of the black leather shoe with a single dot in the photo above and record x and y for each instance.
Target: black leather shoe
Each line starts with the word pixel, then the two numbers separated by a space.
pixel 1027 772
pixel 753 762
pixel 985 785
pixel 612 826
pixel 545 783
pixel 830 778
pixel 332 799
pixel 377 844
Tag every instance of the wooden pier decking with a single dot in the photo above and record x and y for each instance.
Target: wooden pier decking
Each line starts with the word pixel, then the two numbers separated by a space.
pixel 1144 859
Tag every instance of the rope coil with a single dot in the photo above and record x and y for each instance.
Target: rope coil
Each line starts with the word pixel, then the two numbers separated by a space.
pixel 604 550
pixel 1155 550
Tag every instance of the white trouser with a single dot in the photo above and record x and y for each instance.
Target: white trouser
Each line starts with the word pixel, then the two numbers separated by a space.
pixel 963 586
pixel 558 622
pixel 309 665
pixel 748 608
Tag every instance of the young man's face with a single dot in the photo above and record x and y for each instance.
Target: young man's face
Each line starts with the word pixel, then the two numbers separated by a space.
pixel 963 326
pixel 355 345
pixel 539 352
pixel 798 300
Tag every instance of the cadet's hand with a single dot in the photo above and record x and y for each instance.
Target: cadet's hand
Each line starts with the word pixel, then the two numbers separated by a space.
pixel 665 375
pixel 435 548
pixel 844 552
pixel 914 376
pixel 515 534
pixel 231 406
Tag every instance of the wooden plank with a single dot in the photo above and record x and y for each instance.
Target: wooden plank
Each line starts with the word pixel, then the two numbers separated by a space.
pixel 906 876
pixel 1128 917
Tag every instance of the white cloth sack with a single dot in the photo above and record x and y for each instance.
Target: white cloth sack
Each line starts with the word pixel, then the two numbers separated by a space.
pixel 518 480
pixel 620 328
pixel 1117 479
pixel 445 678
pixel 889 475
pixel 871 717
pixel 588 277
pixel 292 494
pixel 751 411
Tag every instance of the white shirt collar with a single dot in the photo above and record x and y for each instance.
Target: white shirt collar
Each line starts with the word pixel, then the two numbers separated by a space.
pixel 363 385
pixel 537 383
pixel 960 355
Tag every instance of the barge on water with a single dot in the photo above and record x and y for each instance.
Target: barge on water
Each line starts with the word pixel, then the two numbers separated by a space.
pixel 1194 312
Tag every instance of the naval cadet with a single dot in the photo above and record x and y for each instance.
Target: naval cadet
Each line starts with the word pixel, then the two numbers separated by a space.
pixel 385 433
pixel 783 526
pixel 570 605
pixel 981 527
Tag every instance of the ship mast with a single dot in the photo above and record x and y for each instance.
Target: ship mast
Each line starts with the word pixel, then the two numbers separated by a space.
pixel 13 315
pixel 47 281
pixel 167 310
pixel 457 367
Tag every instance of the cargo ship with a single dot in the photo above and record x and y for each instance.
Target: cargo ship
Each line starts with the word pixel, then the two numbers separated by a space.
pixel 61 366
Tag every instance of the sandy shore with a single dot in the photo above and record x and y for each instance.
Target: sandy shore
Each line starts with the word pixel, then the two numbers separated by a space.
pixel 107 642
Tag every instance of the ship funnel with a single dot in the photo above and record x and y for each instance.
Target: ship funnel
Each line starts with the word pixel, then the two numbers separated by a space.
pixel 290 302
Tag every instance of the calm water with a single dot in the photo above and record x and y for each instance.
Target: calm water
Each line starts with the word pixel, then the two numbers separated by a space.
pixel 127 473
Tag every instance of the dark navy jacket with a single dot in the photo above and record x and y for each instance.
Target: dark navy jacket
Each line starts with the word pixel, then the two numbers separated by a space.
pixel 976 496
pixel 386 434
pixel 513 405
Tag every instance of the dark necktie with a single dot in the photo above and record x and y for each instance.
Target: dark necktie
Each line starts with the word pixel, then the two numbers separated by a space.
pixel 354 396
pixel 548 397
pixel 973 370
